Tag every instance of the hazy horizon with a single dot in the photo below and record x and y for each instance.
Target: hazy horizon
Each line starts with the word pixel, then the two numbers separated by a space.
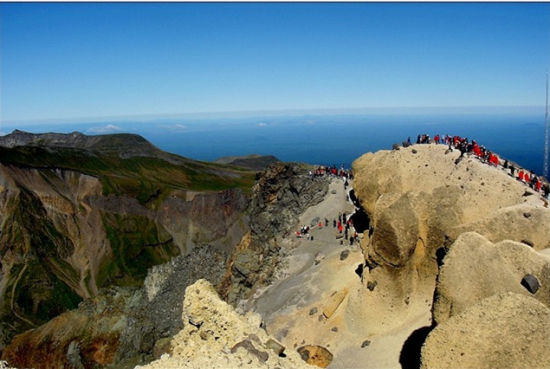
pixel 288 113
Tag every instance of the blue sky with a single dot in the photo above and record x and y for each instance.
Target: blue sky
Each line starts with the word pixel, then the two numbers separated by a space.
pixel 73 60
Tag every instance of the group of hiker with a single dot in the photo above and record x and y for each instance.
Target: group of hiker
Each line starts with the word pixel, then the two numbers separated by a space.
pixel 466 146
pixel 332 171
pixel 343 224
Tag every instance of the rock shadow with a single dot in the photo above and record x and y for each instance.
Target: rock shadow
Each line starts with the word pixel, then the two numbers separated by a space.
pixel 360 218
pixel 409 358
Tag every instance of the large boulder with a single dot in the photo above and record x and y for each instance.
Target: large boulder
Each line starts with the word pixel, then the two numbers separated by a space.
pixel 507 330
pixel 523 223
pixel 474 269
pixel 396 233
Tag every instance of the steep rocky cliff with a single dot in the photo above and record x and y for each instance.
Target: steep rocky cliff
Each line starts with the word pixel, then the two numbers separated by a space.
pixel 76 217
pixel 108 233
pixel 281 194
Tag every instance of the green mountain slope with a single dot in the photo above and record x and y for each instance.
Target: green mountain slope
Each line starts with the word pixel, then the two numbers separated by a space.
pixel 80 213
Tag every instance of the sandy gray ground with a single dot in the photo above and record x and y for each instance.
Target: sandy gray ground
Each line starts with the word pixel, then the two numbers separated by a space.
pixel 304 286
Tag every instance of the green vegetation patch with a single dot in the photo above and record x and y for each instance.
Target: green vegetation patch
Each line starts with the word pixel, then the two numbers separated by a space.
pixel 138 244
pixel 142 177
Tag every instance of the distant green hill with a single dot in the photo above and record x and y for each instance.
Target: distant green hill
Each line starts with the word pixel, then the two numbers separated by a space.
pixel 124 163
pixel 252 162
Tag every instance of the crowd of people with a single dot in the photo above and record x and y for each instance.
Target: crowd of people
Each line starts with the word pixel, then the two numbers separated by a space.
pixel 466 146
pixel 332 171
pixel 343 224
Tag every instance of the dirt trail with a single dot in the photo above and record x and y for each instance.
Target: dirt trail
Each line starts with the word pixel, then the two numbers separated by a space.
pixel 295 307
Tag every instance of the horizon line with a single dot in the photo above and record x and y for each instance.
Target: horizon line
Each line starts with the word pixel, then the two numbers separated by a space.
pixel 235 114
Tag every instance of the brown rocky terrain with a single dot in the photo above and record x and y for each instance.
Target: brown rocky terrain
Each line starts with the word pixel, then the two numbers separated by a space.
pixel 79 214
pixel 129 322
pixel 454 271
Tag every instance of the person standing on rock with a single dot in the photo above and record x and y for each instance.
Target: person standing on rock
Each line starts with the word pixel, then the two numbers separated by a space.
pixel 520 175
pixel 538 184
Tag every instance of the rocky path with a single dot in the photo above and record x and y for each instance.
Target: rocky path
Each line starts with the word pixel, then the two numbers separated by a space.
pixel 319 299
pixel 299 265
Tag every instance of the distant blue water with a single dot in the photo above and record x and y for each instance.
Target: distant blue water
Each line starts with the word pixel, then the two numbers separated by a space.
pixel 327 139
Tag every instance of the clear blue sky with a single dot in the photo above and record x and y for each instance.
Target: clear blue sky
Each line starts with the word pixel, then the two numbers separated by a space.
pixel 68 60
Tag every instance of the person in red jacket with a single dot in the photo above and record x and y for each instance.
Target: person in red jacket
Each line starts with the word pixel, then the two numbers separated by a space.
pixel 494 160
pixel 539 184
pixel 520 175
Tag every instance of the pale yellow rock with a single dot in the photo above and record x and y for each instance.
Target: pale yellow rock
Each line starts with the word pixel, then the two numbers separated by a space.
pixel 503 331
pixel 419 200
pixel 215 336
pixel 334 301
pixel 475 268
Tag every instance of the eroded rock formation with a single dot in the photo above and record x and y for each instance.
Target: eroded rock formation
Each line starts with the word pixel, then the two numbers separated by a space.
pixel 215 336
pixel 469 234
pixel 419 201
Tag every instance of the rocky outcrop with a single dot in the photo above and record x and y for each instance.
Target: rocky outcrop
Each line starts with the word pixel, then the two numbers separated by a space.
pixel 419 200
pixel 466 236
pixel 122 326
pixel 484 310
pixel 505 330
pixel 474 269
pixel 279 196
pixel 282 192
pixel 397 233
pixel 215 336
